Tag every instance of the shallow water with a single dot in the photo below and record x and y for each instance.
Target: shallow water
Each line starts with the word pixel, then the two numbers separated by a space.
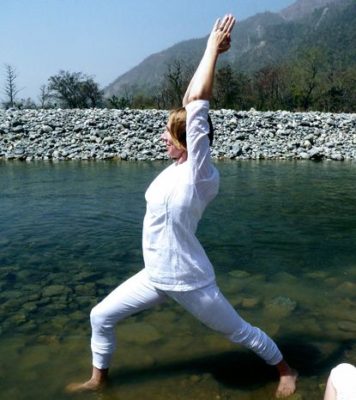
pixel 282 237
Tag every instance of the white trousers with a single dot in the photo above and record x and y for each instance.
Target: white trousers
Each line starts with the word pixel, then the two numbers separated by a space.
pixel 207 304
pixel 343 380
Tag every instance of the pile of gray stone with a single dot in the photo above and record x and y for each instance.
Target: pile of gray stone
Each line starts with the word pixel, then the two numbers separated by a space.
pixel 99 134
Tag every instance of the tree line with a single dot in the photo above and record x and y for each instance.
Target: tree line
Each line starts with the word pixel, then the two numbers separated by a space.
pixel 312 81
pixel 309 82
pixel 66 89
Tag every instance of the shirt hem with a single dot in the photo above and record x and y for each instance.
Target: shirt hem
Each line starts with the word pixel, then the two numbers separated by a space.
pixel 174 287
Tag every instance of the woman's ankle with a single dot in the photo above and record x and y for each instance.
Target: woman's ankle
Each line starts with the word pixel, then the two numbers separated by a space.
pixel 99 376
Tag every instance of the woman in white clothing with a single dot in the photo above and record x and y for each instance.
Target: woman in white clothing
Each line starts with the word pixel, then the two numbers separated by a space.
pixel 176 265
pixel 341 383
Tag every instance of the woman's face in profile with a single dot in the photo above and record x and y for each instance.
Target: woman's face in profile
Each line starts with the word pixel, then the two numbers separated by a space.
pixel 173 151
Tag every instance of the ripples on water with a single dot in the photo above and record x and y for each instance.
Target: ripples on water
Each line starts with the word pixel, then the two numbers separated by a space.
pixel 282 237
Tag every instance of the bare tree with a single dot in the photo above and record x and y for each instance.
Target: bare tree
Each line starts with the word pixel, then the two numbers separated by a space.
pixel 74 90
pixel 174 84
pixel 270 87
pixel 91 92
pixel 10 89
pixel 226 88
pixel 307 77
pixel 44 96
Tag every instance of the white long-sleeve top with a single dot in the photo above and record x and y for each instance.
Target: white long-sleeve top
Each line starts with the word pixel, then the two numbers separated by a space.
pixel 176 199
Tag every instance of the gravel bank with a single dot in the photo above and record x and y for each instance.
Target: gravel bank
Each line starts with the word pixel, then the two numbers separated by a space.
pixel 135 135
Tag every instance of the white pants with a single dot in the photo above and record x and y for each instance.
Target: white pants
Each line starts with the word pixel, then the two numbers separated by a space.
pixel 343 380
pixel 207 304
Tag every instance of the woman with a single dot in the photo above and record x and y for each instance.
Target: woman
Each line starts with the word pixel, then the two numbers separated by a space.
pixel 176 265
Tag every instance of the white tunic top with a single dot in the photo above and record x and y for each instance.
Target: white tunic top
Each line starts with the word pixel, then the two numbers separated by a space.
pixel 174 258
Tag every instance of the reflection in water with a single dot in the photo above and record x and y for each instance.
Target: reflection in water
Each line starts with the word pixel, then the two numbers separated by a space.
pixel 280 234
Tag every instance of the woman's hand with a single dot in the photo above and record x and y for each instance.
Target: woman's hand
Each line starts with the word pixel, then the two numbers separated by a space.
pixel 220 37
pixel 201 85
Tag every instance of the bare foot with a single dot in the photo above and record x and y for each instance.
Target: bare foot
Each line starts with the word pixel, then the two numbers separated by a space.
pixel 96 382
pixel 287 384
pixel 89 386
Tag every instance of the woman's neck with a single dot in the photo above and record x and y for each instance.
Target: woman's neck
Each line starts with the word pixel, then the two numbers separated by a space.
pixel 183 158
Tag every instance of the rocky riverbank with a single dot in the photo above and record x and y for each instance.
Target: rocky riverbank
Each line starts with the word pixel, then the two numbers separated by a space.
pixel 135 135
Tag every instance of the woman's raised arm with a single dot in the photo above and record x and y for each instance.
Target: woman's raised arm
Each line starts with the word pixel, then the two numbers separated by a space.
pixel 201 85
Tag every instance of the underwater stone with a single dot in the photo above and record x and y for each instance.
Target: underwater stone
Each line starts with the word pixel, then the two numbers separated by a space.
pixel 30 306
pixel 138 333
pixel 35 355
pixel 347 326
pixel 60 321
pixel 88 289
pixel 87 276
pixel 285 277
pixel 29 327
pixel 346 288
pixel 10 305
pixel 55 290
pixel 239 274
pixel 48 339
pixel 18 319
pixel 12 294
pixel 249 302
pixel 281 306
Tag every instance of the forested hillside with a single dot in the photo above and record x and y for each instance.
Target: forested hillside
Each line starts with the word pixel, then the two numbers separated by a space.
pixel 302 58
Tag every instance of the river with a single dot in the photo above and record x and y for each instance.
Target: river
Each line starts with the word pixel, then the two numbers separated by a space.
pixel 282 238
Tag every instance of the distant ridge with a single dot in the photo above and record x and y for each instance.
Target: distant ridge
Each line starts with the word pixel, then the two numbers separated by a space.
pixel 301 8
pixel 261 40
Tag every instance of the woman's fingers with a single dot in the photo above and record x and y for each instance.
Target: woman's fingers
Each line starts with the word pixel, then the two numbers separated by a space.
pixel 216 25
pixel 230 24
pixel 227 24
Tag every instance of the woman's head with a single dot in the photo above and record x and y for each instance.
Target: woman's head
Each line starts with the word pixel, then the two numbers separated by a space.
pixel 174 136
pixel 177 128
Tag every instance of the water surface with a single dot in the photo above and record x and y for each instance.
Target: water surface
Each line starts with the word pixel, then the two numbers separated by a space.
pixel 282 237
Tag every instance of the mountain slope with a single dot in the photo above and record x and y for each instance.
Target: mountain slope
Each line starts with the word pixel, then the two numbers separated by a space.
pixel 264 39
pixel 148 73
pixel 302 8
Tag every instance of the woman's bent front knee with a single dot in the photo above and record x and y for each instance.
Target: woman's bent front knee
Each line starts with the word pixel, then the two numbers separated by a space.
pixel 99 319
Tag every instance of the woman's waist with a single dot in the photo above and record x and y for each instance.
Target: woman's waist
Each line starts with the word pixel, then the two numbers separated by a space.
pixel 173 269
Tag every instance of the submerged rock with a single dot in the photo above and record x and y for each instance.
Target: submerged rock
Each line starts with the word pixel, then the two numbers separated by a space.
pixel 55 290
pixel 281 306
pixel 347 326
pixel 250 302
pixel 239 274
pixel 346 288
pixel 139 333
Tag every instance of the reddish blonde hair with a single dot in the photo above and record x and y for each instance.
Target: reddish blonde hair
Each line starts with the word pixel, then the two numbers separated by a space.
pixel 177 127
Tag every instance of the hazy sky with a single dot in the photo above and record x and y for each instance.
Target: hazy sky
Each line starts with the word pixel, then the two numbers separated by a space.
pixel 102 38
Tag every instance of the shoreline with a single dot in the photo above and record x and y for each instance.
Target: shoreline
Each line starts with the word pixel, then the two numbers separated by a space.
pixel 102 134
